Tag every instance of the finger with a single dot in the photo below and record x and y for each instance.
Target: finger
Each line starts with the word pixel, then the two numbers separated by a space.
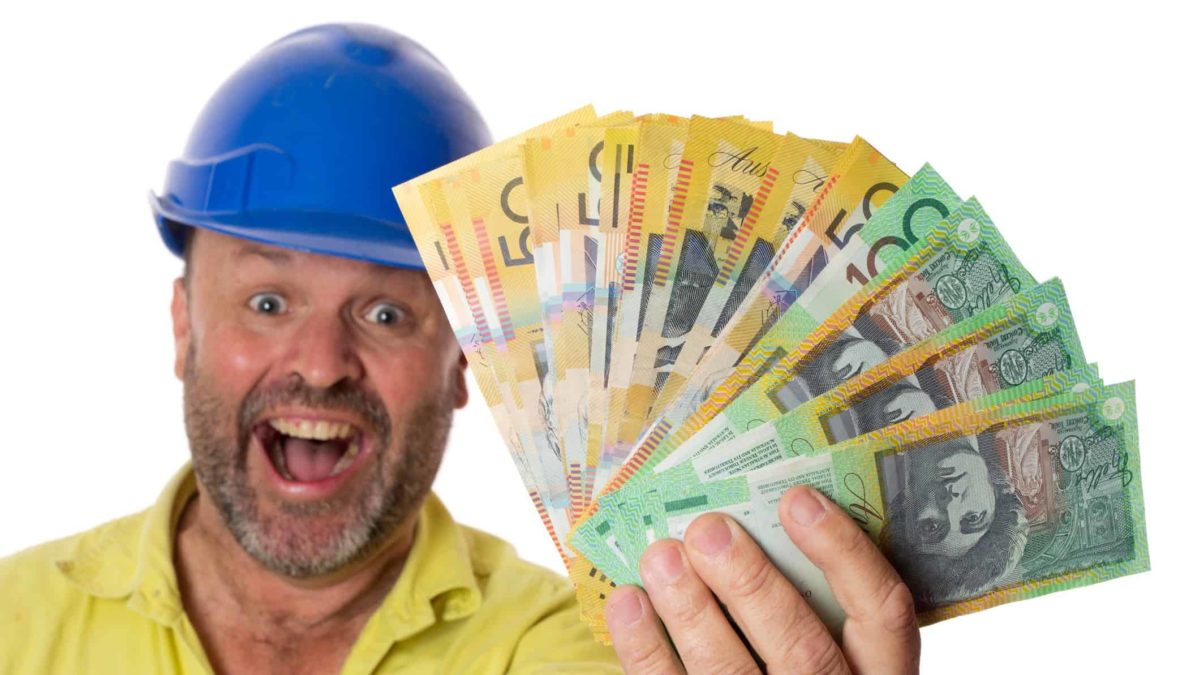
pixel 781 627
pixel 638 637
pixel 705 640
pixel 880 634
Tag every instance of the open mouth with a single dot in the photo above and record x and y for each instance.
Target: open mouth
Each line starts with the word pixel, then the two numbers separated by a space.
pixel 307 451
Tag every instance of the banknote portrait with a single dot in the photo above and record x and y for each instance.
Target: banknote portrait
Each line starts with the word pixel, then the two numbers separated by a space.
pixel 760 256
pixel 913 311
pixel 955 527
pixel 727 208
pixel 846 357
pixel 901 401
pixel 697 273
pixel 793 215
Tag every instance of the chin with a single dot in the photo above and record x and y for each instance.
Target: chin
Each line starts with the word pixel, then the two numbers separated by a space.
pixel 307 547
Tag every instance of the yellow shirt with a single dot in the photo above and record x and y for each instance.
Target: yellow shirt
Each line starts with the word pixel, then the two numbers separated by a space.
pixel 107 601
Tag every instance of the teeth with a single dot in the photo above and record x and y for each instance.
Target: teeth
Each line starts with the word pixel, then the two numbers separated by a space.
pixel 323 430
pixel 347 458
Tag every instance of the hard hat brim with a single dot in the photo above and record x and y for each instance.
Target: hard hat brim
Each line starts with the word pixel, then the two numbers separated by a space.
pixel 310 231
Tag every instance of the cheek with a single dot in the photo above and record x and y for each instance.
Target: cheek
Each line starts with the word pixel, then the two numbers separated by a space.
pixel 981 499
pixel 233 359
pixel 407 378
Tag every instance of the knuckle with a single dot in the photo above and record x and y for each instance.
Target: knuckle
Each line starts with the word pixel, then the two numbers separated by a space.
pixel 685 611
pixel 650 657
pixel 752 578
pixel 820 657
pixel 897 612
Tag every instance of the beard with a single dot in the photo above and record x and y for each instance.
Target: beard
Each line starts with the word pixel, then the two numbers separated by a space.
pixel 312 539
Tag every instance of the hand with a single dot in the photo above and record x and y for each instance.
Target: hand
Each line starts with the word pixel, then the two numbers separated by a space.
pixel 717 558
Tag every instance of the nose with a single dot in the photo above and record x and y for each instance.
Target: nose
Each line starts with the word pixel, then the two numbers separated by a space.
pixel 323 351
pixel 946 494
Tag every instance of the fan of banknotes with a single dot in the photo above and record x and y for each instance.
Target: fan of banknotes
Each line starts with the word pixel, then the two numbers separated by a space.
pixel 669 316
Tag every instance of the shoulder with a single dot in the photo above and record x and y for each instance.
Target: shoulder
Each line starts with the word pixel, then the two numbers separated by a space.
pixel 48 567
pixel 52 587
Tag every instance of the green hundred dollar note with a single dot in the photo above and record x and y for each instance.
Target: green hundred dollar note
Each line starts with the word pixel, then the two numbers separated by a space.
pixel 798 434
pixel 974 508
pixel 959 290
pixel 1023 339
pixel 635 512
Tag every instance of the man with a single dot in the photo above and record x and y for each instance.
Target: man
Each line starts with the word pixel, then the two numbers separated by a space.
pixel 320 378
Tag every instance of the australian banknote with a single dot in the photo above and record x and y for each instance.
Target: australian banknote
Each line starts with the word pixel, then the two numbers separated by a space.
pixel 670 315
pixel 974 507
pixel 562 182
pixel 802 166
pixel 724 174
pixel 753 343
pixel 461 293
pixel 861 184
pixel 1026 338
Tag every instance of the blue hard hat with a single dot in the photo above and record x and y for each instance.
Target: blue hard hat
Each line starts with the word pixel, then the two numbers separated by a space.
pixel 301 146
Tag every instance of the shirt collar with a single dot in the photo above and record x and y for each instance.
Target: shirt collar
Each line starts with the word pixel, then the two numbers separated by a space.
pixel 132 558
pixel 438 582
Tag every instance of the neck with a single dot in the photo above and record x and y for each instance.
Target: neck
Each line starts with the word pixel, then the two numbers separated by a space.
pixel 222 584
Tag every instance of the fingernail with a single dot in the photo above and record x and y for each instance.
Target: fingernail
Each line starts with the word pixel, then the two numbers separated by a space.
pixel 665 564
pixel 712 536
pixel 805 509
pixel 625 608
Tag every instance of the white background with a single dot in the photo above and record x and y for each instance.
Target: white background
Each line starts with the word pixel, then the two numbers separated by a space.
pixel 1075 127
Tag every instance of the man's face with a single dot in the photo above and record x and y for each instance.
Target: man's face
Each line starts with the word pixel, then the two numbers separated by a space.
pixel 953 502
pixel 724 214
pixel 318 396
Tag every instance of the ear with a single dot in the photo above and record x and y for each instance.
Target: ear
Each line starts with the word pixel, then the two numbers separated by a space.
pixel 180 325
pixel 460 397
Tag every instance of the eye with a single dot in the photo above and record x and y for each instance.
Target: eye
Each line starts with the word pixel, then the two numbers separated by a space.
pixel 930 531
pixel 386 314
pixel 267 303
